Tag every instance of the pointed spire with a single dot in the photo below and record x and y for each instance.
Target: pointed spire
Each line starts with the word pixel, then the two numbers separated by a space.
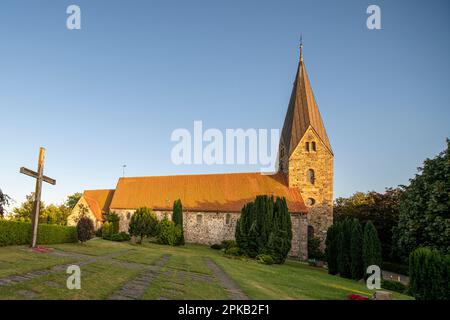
pixel 302 112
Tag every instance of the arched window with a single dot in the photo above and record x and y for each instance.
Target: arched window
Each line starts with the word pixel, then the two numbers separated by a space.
pixel 307 146
pixel 199 219
pixel 311 176
pixel 228 218
pixel 310 201
pixel 128 216
pixel 282 151
pixel 313 146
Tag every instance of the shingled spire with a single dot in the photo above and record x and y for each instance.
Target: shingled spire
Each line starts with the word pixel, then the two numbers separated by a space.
pixel 302 112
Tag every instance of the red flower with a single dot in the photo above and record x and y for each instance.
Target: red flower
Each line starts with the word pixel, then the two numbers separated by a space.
pixel 356 297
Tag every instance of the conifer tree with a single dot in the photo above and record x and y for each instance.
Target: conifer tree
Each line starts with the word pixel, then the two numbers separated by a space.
pixel 331 250
pixel 177 218
pixel 343 258
pixel 371 247
pixel 356 240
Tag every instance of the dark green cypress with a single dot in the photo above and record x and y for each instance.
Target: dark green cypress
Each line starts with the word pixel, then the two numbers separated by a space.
pixel 371 247
pixel 343 258
pixel 331 250
pixel 356 241
pixel 177 218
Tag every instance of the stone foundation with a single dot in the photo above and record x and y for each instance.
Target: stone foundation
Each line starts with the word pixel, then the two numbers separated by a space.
pixel 213 227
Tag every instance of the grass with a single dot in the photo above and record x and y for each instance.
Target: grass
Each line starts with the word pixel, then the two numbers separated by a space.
pixel 184 276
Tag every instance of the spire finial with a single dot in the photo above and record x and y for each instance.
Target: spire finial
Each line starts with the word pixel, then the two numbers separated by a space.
pixel 301 47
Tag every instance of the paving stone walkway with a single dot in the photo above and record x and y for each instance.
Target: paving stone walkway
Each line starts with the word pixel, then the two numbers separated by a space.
pixel 232 288
pixel 135 289
pixel 15 279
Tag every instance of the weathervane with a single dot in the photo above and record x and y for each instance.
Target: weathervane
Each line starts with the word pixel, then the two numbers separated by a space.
pixel 301 47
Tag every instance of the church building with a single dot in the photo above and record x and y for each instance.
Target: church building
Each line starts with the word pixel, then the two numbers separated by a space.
pixel 212 202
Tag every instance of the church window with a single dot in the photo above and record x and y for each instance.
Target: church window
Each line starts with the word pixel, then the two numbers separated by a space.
pixel 128 216
pixel 199 219
pixel 228 218
pixel 282 151
pixel 307 146
pixel 311 176
pixel 310 201
pixel 313 146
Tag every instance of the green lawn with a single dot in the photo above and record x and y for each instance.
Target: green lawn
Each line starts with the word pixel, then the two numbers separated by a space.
pixel 185 275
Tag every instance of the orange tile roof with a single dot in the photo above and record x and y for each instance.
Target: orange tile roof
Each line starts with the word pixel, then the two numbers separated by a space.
pixel 98 201
pixel 206 192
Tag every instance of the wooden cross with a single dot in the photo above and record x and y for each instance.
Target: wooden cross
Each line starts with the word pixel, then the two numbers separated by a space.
pixel 39 176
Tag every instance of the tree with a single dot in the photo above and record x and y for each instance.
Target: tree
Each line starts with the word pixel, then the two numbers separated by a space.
pixel 344 241
pixel 177 218
pixel 169 233
pixel 424 219
pixel 144 223
pixel 264 227
pixel 332 249
pixel 5 200
pixel 371 247
pixel 356 255
pixel 85 229
pixel 380 208
pixel 72 200
pixel 114 220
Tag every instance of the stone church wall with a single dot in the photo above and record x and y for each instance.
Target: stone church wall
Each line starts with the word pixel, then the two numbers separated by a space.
pixel 214 227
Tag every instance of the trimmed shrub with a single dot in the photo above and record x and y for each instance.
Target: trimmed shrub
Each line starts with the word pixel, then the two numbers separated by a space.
pixel 19 233
pixel 356 255
pixel 177 218
pixel 114 219
pixel 371 247
pixel 143 223
pixel 265 228
pixel 107 230
pixel 85 229
pixel 265 259
pixel 227 244
pixel 314 251
pixel 233 251
pixel 331 251
pixel 168 233
pixel 120 237
pixel 429 275
pixel 394 286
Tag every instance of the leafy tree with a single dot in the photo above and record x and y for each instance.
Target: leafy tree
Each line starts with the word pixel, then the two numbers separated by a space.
pixel 371 247
pixel 425 208
pixel 380 208
pixel 356 255
pixel 144 223
pixel 5 200
pixel 332 248
pixel 72 200
pixel 177 218
pixel 85 229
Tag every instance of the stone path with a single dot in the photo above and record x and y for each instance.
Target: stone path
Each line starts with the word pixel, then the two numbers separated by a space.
pixel 135 289
pixel 232 288
pixel 15 279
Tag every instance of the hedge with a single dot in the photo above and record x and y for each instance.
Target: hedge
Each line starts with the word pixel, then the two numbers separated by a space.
pixel 18 233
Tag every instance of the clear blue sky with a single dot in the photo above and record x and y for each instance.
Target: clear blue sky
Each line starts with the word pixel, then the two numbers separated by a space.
pixel 113 92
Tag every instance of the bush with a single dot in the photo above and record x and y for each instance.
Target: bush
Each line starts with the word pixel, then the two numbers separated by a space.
pixel 396 268
pixel 107 230
pixel 227 244
pixel 265 228
pixel 169 233
pixel 265 259
pixel 371 247
pixel 19 233
pixel 85 229
pixel 429 275
pixel 216 246
pixel 233 251
pixel 120 237
pixel 114 220
pixel 331 251
pixel 393 286
pixel 144 223
pixel 314 251
pixel 99 232
pixel 177 218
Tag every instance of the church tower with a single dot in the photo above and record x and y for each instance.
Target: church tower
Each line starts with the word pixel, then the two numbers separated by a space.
pixel 306 156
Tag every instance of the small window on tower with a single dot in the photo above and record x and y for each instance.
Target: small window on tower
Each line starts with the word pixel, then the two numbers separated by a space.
pixel 199 219
pixel 313 146
pixel 311 176
pixel 128 216
pixel 307 146
pixel 310 201
pixel 228 218
pixel 282 152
